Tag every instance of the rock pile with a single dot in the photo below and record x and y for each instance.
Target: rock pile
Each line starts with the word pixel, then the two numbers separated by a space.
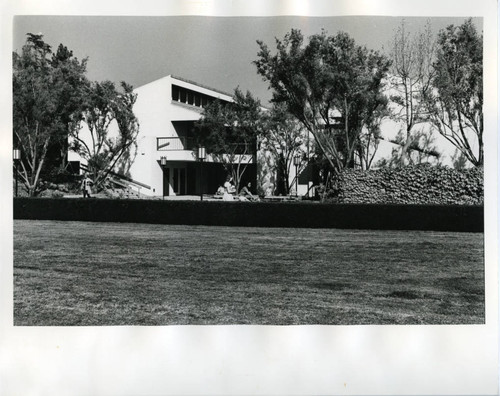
pixel 421 184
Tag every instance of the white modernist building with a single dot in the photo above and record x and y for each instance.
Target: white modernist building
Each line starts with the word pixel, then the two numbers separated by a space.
pixel 167 110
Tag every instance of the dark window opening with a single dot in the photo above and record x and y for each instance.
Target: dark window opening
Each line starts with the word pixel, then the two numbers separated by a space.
pixel 176 181
pixel 183 95
pixel 175 92
pixel 182 181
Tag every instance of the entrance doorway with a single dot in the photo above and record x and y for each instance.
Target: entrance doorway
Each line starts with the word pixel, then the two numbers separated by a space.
pixel 174 181
pixel 179 181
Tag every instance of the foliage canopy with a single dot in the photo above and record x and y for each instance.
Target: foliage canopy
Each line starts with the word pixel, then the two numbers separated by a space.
pixel 47 97
pixel 331 85
pixel 456 102
pixel 229 132
pixel 103 105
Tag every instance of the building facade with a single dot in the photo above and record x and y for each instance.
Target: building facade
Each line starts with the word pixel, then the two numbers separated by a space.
pixel 167 110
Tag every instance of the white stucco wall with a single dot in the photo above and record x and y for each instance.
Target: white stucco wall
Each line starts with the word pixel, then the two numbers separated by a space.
pixel 152 113
pixel 156 111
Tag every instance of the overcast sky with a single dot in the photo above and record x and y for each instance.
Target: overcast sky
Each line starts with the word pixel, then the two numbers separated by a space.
pixel 213 51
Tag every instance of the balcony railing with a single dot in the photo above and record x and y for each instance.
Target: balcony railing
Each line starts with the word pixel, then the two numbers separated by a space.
pixel 174 143
pixel 184 143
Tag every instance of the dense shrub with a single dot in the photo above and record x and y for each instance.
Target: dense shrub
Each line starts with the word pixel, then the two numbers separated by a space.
pixel 258 214
pixel 51 193
pixel 422 184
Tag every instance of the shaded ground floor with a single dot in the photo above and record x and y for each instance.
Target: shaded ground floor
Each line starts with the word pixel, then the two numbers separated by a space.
pixel 183 178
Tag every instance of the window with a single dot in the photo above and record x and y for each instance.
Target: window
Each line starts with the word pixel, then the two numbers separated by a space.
pixel 175 93
pixel 193 98
pixel 183 95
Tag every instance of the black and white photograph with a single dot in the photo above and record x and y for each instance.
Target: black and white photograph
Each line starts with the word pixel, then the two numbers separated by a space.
pixel 316 112
pixel 279 186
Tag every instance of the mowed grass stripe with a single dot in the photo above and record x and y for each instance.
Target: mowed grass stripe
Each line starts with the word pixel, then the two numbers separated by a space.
pixel 78 273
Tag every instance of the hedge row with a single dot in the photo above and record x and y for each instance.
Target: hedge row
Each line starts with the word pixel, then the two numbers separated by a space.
pixel 412 185
pixel 292 214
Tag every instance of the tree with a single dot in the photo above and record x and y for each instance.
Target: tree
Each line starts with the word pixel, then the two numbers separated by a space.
pixel 229 131
pixel 284 138
pixel 47 95
pixel 99 144
pixel 370 135
pixel 329 85
pixel 421 150
pixel 411 75
pixel 128 126
pixel 455 104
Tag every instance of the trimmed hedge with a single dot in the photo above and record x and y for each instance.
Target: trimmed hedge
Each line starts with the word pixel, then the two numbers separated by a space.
pixel 421 184
pixel 255 214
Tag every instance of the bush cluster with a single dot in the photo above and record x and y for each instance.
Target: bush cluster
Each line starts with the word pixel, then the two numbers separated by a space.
pixel 421 184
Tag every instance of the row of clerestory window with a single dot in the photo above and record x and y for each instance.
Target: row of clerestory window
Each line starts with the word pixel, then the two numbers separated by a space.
pixel 190 97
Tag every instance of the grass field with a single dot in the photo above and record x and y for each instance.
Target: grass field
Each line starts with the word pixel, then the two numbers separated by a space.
pixel 77 273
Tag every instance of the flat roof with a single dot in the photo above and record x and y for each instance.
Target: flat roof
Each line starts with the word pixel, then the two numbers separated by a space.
pixel 201 85
pixel 197 84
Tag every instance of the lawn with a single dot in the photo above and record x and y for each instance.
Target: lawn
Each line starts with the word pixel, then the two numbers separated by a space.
pixel 79 273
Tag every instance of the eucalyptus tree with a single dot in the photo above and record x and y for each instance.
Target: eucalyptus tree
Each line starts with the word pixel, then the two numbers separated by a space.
pixel 411 76
pixel 229 131
pixel 330 85
pixel 47 98
pixel 285 139
pixel 107 128
pixel 455 104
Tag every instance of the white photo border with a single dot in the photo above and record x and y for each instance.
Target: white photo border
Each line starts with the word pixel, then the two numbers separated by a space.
pixel 252 359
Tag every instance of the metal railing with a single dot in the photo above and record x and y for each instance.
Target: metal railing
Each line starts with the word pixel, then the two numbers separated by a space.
pixel 174 143
pixel 185 143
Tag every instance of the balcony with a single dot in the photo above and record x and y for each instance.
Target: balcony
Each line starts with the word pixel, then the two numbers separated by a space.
pixel 184 143
pixel 174 143
pixel 185 149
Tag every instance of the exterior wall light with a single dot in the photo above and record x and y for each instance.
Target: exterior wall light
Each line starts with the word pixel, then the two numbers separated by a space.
pixel 163 164
pixel 202 155
pixel 16 155
pixel 296 162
